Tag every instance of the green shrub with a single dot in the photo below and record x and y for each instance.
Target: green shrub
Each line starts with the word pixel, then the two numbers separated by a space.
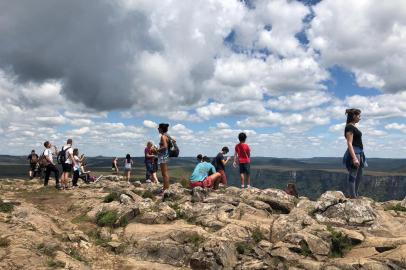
pixel 195 239
pixel 106 218
pixel 305 250
pixel 340 243
pixel 123 222
pixel 97 238
pixel 47 249
pixel 148 194
pixel 55 264
pixel 6 207
pixel 243 248
pixel 397 208
pixel 4 242
pixel 74 253
pixel 184 182
pixel 257 235
pixel 112 196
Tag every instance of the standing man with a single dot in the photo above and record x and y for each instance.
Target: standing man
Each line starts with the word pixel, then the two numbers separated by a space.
pixel 220 163
pixel 243 157
pixel 50 167
pixel 33 158
pixel 66 159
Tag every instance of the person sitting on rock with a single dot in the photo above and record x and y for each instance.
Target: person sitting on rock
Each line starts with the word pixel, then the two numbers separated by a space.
pixel 205 175
pixel 291 190
pixel 199 158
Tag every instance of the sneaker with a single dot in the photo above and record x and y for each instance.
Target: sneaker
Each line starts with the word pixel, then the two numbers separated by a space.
pixel 58 187
pixel 248 186
pixel 242 186
pixel 161 193
pixel 148 181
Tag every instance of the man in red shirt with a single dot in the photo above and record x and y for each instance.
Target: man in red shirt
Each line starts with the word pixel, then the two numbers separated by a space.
pixel 243 153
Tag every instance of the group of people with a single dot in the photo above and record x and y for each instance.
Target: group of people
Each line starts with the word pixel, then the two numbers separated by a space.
pixel 69 158
pixel 207 173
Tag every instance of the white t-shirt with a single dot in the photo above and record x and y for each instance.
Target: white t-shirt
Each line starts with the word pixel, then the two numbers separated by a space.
pixel 67 152
pixel 48 152
pixel 76 163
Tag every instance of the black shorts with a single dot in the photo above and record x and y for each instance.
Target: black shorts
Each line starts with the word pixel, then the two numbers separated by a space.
pixel 66 167
pixel 245 168
pixel 33 166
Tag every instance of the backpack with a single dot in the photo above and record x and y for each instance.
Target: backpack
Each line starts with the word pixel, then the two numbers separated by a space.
pixel 34 159
pixel 214 162
pixel 42 161
pixel 61 158
pixel 173 148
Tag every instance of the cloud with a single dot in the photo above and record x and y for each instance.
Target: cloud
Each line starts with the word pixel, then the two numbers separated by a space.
pixel 222 125
pixel 396 126
pixel 300 101
pixel 369 39
pixel 150 124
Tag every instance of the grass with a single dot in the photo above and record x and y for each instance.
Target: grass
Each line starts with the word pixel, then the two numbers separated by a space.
pixel 6 207
pixel 95 235
pixel 397 208
pixel 55 264
pixel 49 250
pixel 74 253
pixel 107 218
pixel 148 194
pixel 340 243
pixel 243 248
pixel 81 219
pixel 112 196
pixel 257 235
pixel 305 250
pixel 4 242
pixel 195 239
pixel 179 213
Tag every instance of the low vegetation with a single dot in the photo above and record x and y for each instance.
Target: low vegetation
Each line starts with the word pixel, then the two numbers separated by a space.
pixel 6 207
pixel 340 243
pixel 107 218
pixel 397 208
pixel 257 235
pixel 244 248
pixel 4 242
pixel 55 264
pixel 195 239
pixel 148 194
pixel 112 196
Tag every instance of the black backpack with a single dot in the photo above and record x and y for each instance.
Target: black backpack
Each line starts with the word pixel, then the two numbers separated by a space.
pixel 173 149
pixel 61 158
pixel 214 162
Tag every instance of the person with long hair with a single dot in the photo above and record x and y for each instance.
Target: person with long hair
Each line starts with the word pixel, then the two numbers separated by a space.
pixel 150 154
pixel 354 157
pixel 77 163
pixel 127 167
pixel 163 154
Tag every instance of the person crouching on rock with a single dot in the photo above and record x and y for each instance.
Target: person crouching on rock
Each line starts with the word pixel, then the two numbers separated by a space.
pixel 354 158
pixel 205 175
pixel 291 190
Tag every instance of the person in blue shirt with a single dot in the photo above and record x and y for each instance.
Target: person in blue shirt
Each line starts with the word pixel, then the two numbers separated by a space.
pixel 205 175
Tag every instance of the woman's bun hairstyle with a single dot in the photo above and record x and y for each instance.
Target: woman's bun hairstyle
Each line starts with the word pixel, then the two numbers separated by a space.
pixel 351 113
pixel 163 127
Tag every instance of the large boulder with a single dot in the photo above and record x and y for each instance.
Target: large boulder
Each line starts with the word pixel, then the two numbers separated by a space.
pixel 216 253
pixel 357 212
pixel 277 199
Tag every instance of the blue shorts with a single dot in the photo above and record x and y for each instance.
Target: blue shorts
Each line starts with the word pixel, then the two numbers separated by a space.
pixel 245 168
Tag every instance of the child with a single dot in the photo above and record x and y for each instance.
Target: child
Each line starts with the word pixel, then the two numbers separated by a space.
pixel 242 156
pixel 150 153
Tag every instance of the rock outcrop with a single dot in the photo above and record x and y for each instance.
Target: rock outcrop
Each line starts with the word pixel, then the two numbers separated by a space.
pixel 116 225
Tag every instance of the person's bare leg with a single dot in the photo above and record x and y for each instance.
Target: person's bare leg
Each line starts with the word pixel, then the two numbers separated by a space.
pixel 242 179
pixel 216 179
pixel 165 175
pixel 248 180
pixel 154 178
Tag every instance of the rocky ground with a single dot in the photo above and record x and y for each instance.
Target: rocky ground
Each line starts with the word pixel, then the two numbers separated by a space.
pixel 116 225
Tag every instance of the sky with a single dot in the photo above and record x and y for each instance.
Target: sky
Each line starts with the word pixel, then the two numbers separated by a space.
pixel 105 73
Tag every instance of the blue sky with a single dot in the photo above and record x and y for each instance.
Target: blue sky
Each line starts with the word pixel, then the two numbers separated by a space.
pixel 282 71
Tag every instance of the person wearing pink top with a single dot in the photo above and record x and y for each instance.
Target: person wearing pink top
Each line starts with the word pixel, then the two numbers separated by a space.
pixel 243 157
